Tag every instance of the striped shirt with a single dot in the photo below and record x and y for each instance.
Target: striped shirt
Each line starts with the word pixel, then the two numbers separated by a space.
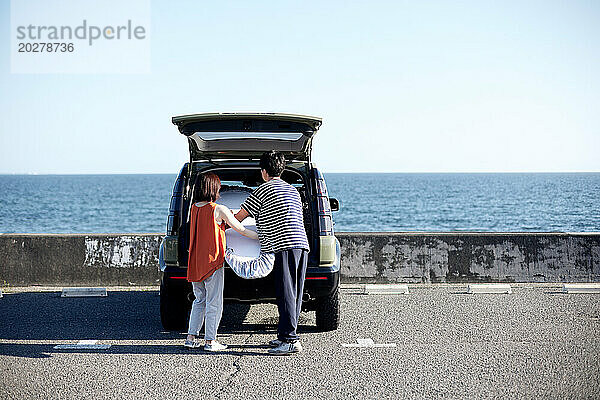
pixel 277 208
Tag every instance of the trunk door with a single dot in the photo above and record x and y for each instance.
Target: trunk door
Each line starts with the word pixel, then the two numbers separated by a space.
pixel 246 136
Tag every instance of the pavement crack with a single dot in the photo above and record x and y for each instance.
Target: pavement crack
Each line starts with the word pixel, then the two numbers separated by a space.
pixel 237 369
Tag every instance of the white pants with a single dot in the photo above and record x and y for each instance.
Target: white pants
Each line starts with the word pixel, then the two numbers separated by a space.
pixel 208 305
pixel 250 268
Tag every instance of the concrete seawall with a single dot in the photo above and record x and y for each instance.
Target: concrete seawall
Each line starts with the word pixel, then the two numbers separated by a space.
pixel 132 259
pixel 470 257
pixel 94 259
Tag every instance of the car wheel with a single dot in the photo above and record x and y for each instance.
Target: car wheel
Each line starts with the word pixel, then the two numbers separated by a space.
pixel 328 311
pixel 173 308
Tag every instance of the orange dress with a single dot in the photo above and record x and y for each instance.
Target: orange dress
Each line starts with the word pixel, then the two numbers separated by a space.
pixel 207 243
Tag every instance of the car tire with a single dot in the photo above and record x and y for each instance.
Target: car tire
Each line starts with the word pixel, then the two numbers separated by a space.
pixel 173 309
pixel 328 311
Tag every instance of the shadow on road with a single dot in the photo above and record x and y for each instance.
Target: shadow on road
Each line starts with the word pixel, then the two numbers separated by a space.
pixel 47 316
pixel 120 316
pixel 47 350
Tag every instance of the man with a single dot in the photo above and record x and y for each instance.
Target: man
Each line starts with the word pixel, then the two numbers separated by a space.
pixel 277 208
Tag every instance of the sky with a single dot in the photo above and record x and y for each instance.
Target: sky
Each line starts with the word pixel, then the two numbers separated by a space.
pixel 402 86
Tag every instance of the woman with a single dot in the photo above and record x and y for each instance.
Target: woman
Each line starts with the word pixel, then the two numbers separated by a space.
pixel 206 257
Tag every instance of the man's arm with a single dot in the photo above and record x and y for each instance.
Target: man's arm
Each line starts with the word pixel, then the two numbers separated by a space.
pixel 241 215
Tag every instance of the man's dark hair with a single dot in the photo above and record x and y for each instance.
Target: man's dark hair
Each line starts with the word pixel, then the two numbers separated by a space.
pixel 273 162
pixel 206 187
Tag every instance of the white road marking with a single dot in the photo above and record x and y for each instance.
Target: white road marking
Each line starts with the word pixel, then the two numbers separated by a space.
pixel 581 288
pixel 83 345
pixel 502 288
pixel 83 292
pixel 368 343
pixel 385 289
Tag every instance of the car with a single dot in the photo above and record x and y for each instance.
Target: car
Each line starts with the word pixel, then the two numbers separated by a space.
pixel 230 145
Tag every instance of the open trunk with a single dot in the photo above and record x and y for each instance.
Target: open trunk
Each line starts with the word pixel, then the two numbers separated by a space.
pixel 236 186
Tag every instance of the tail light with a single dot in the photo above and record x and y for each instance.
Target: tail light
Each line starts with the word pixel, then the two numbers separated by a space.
pixel 325 218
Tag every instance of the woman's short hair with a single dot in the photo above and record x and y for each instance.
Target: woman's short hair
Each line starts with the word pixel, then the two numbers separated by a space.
pixel 206 187
pixel 273 162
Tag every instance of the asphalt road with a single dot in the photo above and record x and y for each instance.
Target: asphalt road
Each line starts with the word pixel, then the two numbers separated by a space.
pixel 534 343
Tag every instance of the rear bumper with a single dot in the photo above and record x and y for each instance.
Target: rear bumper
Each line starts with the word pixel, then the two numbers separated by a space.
pixel 318 284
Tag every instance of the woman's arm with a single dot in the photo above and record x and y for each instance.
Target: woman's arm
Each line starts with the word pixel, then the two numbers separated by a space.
pixel 226 215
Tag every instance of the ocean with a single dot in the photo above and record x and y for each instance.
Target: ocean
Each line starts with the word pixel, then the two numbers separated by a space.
pixel 402 202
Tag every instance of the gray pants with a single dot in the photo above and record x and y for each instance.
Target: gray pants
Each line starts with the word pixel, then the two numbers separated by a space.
pixel 208 305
